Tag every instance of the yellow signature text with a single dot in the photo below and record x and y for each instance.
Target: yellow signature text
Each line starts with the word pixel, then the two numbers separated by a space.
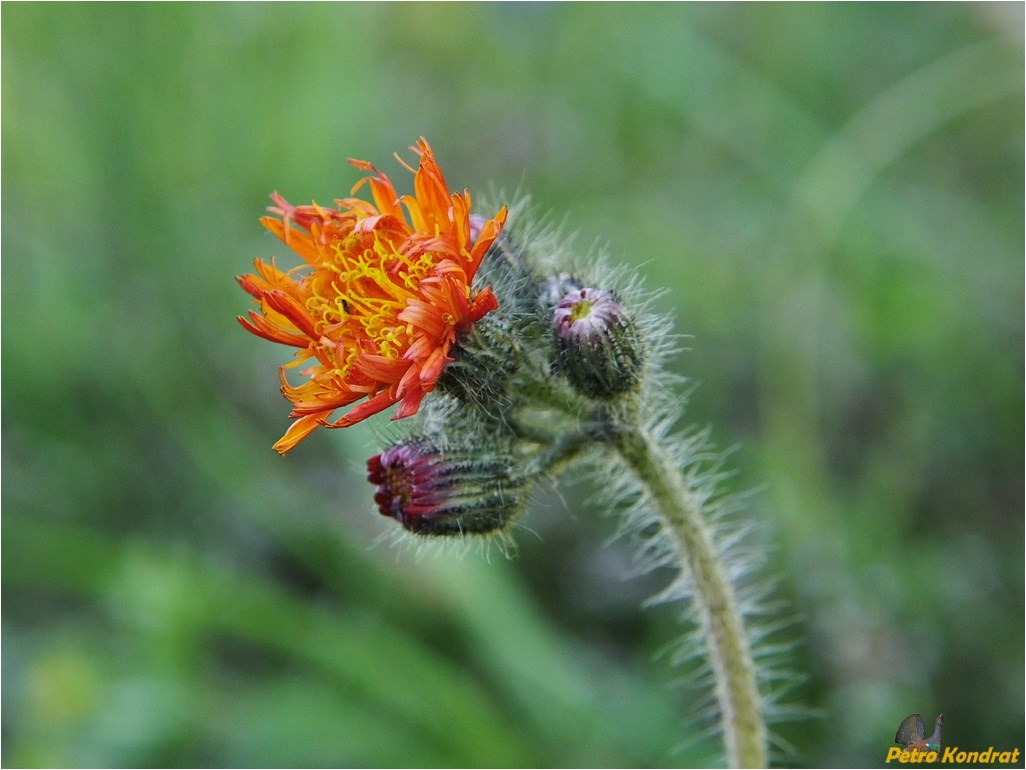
pixel 951 755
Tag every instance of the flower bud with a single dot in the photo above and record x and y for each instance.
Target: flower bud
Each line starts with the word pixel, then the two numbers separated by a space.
pixel 597 346
pixel 436 491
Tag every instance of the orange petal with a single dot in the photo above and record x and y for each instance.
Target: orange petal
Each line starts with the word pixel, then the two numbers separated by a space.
pixel 298 431
pixel 372 406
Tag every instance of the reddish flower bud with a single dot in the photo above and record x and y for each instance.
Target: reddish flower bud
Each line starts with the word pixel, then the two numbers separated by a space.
pixel 433 491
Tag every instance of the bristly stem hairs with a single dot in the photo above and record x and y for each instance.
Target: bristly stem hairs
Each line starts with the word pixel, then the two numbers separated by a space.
pixel 535 361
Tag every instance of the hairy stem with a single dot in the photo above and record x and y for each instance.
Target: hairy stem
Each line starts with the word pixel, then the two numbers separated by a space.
pixel 560 453
pixel 562 448
pixel 682 515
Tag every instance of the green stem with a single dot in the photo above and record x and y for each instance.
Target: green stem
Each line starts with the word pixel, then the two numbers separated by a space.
pixel 560 453
pixel 559 449
pixel 743 727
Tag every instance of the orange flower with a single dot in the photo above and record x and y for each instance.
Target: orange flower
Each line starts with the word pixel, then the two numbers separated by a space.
pixel 384 293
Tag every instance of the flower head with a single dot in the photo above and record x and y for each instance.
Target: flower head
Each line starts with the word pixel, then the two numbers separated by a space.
pixel 436 491
pixel 384 292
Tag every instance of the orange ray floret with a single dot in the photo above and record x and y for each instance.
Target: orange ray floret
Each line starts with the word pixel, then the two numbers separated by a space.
pixel 384 291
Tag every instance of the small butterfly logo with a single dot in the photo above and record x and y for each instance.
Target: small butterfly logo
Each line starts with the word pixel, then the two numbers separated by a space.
pixel 912 733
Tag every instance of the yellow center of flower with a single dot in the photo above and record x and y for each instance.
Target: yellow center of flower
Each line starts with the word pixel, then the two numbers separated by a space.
pixel 580 310
pixel 359 295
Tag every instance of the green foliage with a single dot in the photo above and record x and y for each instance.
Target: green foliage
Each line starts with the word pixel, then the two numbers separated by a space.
pixel 832 195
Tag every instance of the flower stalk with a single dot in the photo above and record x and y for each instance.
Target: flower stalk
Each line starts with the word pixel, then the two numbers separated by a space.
pixel 744 730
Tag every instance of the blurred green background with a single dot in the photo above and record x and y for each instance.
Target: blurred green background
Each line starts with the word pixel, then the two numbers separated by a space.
pixel 833 195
